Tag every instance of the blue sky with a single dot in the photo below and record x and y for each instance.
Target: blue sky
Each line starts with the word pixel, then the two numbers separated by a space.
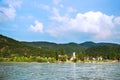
pixel 61 21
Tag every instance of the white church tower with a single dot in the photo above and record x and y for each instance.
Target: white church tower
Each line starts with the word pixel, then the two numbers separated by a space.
pixel 73 56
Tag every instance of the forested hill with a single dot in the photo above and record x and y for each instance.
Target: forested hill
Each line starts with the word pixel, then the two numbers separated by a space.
pixel 40 44
pixel 89 44
pixel 83 46
pixel 67 48
pixel 106 51
pixel 10 48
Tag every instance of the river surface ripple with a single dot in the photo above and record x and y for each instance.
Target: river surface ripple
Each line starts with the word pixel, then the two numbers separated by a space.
pixel 59 71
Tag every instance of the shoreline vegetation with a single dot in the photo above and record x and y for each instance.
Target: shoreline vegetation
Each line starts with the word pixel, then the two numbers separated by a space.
pixel 105 61
pixel 39 59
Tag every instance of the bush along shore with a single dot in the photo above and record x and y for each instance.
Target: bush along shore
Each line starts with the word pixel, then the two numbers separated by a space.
pixel 60 59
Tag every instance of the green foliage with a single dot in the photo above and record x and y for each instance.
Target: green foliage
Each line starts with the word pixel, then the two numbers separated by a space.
pixel 28 59
pixel 81 56
pixel 41 59
pixel 62 58
pixel 59 48
pixel 51 60
pixel 107 52
pixel 90 44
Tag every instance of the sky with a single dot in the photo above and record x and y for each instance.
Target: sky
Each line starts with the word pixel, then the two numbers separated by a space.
pixel 61 21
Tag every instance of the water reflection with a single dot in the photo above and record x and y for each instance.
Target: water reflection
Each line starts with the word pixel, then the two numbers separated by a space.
pixel 74 71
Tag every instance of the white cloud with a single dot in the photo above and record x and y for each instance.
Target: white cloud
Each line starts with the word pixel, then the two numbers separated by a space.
pixel 38 27
pixel 117 20
pixel 96 24
pixel 10 11
pixel 57 17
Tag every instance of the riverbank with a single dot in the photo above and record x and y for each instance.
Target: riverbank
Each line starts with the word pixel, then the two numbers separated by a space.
pixel 104 61
pixel 51 60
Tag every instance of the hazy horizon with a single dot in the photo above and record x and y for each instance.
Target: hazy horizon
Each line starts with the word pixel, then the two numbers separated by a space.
pixel 60 42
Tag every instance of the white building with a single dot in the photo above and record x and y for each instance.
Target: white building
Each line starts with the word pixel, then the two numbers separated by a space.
pixel 73 56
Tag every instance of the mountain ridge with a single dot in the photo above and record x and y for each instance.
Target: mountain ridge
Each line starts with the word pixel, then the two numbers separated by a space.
pixel 89 44
pixel 86 44
pixel 13 48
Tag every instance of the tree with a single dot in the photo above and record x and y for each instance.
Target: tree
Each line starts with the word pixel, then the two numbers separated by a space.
pixel 62 58
pixel 81 56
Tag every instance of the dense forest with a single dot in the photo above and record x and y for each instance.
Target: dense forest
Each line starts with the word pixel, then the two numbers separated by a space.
pixel 13 50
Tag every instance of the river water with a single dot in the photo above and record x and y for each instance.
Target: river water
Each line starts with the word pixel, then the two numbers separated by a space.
pixel 59 71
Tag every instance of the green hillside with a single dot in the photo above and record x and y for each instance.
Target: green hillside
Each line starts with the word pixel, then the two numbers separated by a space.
pixel 9 47
pixel 13 50
pixel 68 48
pixel 40 44
pixel 89 44
pixel 106 51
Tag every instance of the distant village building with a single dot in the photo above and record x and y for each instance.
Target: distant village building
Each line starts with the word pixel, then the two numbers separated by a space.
pixel 93 59
pixel 99 58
